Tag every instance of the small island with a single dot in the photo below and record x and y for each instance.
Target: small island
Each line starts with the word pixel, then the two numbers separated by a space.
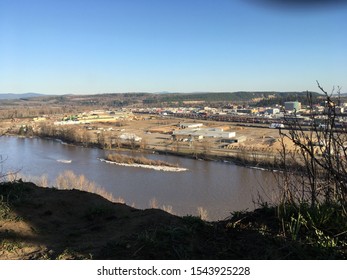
pixel 142 162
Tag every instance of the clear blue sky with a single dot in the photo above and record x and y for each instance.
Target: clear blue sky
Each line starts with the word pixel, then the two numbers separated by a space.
pixel 98 46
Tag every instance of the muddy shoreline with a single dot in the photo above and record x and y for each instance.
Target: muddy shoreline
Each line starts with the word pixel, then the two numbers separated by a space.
pixel 243 158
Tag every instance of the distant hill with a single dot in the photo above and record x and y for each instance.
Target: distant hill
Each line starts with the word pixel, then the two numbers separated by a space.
pixel 19 95
pixel 256 98
pixel 241 96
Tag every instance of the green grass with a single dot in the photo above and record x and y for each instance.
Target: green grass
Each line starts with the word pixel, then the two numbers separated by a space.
pixel 323 226
pixel 300 231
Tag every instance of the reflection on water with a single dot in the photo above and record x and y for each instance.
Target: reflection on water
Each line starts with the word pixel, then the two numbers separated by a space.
pixel 219 188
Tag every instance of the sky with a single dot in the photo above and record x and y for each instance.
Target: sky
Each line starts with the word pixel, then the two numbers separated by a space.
pixel 115 46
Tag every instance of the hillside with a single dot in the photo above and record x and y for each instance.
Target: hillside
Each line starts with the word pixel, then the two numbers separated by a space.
pixel 240 96
pixel 46 223
pixel 167 99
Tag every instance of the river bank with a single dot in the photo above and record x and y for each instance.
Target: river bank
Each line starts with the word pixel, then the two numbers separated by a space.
pixel 252 159
pixel 264 161
pixel 258 148
pixel 47 224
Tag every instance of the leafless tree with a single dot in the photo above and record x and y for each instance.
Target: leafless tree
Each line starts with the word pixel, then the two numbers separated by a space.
pixel 316 169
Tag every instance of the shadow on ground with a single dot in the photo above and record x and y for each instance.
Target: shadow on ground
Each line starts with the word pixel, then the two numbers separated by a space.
pixel 45 223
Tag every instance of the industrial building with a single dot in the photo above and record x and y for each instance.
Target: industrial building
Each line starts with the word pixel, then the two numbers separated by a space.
pixel 292 106
pixel 272 111
pixel 190 125
pixel 199 133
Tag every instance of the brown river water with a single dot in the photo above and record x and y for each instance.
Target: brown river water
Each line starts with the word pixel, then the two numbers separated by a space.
pixel 217 187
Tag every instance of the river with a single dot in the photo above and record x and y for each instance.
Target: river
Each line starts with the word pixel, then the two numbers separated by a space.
pixel 217 187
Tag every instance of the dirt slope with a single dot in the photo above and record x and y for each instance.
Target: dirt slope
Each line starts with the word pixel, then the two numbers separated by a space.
pixel 50 223
pixel 46 223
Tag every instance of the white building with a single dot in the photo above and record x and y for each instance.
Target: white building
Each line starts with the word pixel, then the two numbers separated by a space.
pixel 272 111
pixel 190 125
pixel 130 136
pixel 204 132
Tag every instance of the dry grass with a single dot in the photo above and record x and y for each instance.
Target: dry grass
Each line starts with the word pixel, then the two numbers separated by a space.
pixel 153 203
pixel 67 180
pixel 137 160
pixel 202 213
pixel 168 209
